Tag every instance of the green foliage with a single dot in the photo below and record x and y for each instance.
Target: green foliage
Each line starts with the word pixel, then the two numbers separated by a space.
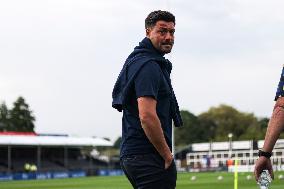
pixel 217 123
pixel 19 118
pixel 190 132
pixel 226 119
pixel 4 117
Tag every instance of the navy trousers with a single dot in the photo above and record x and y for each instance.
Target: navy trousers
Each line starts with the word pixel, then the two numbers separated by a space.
pixel 148 171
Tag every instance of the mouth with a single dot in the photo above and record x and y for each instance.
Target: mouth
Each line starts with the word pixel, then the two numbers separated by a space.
pixel 167 45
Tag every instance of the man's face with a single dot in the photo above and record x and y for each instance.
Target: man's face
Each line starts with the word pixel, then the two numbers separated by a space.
pixel 162 36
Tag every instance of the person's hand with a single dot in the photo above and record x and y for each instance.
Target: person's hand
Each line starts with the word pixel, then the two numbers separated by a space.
pixel 169 161
pixel 261 164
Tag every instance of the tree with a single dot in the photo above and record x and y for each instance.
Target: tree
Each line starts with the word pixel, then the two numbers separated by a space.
pixel 208 126
pixel 4 117
pixel 224 119
pixel 190 131
pixel 263 125
pixel 21 117
pixel 263 122
pixel 254 130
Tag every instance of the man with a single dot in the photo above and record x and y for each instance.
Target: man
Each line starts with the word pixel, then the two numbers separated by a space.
pixel 275 126
pixel 144 93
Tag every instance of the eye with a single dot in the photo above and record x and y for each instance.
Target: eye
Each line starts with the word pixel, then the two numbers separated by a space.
pixel 163 32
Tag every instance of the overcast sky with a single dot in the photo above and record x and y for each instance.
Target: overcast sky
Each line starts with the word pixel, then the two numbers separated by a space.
pixel 63 57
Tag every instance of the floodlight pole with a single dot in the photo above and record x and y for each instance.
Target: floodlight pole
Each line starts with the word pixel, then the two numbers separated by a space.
pixel 230 135
pixel 38 158
pixel 9 158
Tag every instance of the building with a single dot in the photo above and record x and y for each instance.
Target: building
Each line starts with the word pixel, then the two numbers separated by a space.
pixel 222 155
pixel 49 156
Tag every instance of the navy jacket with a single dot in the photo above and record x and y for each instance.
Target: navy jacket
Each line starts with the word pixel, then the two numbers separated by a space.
pixel 143 54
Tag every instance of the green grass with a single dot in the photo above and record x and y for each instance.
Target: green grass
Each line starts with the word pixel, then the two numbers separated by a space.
pixel 203 181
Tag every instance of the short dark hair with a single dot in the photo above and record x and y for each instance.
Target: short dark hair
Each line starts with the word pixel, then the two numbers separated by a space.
pixel 158 15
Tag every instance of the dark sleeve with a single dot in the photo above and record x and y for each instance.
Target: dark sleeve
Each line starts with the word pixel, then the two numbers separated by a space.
pixel 147 81
pixel 280 90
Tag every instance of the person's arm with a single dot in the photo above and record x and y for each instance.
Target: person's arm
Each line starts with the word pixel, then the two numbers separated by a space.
pixel 152 128
pixel 275 126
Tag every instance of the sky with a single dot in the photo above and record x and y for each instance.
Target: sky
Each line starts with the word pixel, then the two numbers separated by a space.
pixel 63 57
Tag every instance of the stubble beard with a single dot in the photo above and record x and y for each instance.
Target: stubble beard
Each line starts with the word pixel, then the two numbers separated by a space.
pixel 166 50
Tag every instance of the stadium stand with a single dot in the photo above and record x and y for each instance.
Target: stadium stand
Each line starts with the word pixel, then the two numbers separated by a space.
pixel 58 154
pixel 221 155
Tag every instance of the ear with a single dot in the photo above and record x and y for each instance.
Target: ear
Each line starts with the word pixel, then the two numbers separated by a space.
pixel 148 30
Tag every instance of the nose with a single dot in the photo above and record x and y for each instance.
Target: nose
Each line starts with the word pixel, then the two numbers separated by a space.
pixel 169 36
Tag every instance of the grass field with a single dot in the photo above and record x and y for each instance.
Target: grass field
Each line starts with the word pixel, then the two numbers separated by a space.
pixel 203 181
